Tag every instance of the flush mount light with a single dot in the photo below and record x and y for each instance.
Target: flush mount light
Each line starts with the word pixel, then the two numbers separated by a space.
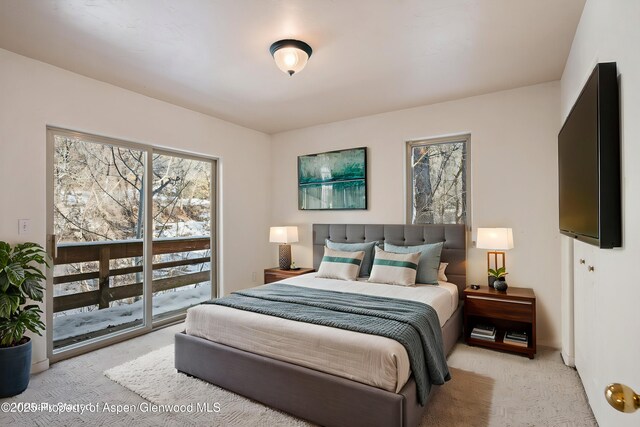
pixel 290 55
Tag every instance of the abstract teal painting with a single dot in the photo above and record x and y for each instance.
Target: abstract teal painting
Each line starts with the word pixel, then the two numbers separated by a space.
pixel 333 180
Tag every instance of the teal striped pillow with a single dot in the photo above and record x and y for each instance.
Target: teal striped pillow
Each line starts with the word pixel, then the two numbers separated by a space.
pixel 367 247
pixel 340 265
pixel 429 260
pixel 394 269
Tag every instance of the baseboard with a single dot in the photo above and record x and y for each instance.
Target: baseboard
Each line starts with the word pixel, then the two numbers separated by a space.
pixel 40 366
pixel 550 344
pixel 568 360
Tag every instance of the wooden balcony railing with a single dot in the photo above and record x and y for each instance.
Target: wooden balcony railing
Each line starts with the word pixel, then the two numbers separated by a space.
pixel 104 252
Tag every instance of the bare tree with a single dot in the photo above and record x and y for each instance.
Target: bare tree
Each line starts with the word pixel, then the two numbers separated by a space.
pixel 100 192
pixel 439 183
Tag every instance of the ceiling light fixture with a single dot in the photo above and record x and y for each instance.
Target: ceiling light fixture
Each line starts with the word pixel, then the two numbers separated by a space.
pixel 290 55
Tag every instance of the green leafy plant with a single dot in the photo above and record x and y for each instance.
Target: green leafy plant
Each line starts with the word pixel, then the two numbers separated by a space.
pixel 498 273
pixel 20 279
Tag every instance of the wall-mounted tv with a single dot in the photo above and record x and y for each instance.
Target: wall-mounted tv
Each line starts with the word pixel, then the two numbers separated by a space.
pixel 589 163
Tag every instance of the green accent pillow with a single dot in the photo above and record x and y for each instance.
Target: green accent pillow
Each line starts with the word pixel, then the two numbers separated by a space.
pixel 367 262
pixel 429 260
pixel 340 265
pixel 394 269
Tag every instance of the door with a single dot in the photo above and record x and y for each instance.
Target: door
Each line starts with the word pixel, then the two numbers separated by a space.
pixel 585 310
pixel 183 221
pixel 133 239
pixel 98 221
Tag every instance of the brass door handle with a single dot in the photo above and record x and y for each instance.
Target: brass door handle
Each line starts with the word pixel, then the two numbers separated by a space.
pixel 622 397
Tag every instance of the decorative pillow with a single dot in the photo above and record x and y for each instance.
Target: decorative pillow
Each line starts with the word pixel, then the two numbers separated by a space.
pixel 394 269
pixel 441 276
pixel 429 260
pixel 340 265
pixel 367 247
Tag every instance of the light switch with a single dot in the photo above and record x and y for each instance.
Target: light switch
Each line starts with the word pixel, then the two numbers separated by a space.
pixel 24 226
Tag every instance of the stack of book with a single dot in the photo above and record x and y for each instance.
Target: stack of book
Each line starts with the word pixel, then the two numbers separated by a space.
pixel 483 332
pixel 516 338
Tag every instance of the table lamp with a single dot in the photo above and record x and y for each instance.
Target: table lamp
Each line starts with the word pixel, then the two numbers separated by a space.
pixel 497 240
pixel 284 236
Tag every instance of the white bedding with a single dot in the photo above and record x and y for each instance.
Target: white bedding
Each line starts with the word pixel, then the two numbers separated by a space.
pixel 369 359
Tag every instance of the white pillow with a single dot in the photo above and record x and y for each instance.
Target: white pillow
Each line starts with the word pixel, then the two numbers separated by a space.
pixel 394 269
pixel 441 276
pixel 340 265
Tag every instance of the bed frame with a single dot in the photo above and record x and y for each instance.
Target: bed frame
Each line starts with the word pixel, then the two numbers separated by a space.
pixel 316 396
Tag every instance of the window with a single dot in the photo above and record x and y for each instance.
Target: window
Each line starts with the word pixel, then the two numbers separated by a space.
pixel 134 238
pixel 437 181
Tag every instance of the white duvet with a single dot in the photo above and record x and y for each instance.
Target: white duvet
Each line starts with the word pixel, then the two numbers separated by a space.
pixel 369 359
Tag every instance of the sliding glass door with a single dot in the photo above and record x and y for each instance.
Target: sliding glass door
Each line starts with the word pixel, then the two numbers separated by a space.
pixel 182 224
pixel 98 221
pixel 132 237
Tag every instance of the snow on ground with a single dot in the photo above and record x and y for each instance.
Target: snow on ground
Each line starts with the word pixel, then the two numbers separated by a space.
pixel 77 324
pixel 188 228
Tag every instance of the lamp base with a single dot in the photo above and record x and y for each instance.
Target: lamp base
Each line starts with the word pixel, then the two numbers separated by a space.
pixel 284 257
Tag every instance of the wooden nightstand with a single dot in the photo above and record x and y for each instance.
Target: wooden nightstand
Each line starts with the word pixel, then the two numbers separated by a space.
pixel 513 310
pixel 275 274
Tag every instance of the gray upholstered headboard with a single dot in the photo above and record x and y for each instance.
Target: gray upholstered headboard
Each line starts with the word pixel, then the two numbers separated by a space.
pixel 453 236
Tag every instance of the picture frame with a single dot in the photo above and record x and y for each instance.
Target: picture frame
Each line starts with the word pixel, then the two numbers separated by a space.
pixel 333 180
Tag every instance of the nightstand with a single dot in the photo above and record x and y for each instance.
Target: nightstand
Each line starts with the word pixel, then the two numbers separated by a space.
pixel 275 274
pixel 511 311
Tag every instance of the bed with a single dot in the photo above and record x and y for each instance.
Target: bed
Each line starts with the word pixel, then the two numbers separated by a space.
pixel 267 358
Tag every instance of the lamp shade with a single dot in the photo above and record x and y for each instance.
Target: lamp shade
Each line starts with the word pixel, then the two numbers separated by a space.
pixel 283 234
pixel 290 55
pixel 495 238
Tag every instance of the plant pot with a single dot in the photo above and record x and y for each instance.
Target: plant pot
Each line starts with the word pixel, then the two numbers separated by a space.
pixel 15 369
pixel 492 279
pixel 500 285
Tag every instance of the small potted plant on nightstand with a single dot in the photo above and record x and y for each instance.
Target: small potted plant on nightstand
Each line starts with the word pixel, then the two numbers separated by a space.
pixel 20 280
pixel 496 278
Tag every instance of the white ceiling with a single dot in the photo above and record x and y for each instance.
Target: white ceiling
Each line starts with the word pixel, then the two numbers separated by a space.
pixel 369 56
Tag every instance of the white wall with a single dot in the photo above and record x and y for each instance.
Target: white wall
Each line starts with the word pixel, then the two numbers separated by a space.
pixel 514 180
pixel 607 344
pixel 34 95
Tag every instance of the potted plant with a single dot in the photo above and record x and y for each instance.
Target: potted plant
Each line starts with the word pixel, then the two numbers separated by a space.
pixel 20 280
pixel 496 278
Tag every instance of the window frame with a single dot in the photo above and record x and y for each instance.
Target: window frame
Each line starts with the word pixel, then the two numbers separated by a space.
pixel 409 188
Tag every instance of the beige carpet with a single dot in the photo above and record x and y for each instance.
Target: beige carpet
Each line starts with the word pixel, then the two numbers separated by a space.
pixel 487 389
pixel 153 377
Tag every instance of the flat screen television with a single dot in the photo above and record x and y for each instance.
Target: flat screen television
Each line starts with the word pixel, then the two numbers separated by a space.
pixel 589 163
